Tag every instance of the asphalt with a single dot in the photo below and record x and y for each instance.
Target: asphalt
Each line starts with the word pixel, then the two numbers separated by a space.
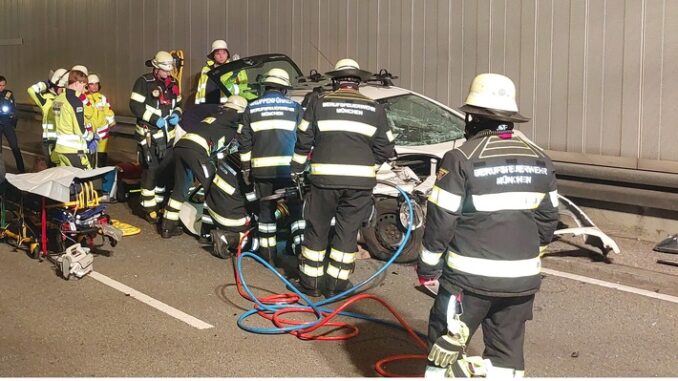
pixel 54 327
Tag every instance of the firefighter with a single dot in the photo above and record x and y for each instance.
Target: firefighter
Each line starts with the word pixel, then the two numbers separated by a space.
pixel 350 138
pixel 490 215
pixel 8 122
pixel 155 102
pixel 266 146
pixel 195 151
pixel 43 94
pixel 75 141
pixel 103 122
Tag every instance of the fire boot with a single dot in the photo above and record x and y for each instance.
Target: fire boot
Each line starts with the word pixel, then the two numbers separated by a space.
pixel 224 243
pixel 170 228
pixel 311 286
pixel 334 287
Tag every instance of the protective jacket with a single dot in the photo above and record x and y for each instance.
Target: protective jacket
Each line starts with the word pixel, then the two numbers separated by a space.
pixel 493 206
pixel 104 118
pixel 151 99
pixel 43 98
pixel 350 137
pixel 268 135
pixel 213 132
pixel 209 92
pixel 69 115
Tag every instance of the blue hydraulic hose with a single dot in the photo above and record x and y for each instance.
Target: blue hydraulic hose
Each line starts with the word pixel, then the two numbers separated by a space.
pixel 317 307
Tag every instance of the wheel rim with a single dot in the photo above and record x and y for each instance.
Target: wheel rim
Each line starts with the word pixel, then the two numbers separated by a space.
pixel 388 232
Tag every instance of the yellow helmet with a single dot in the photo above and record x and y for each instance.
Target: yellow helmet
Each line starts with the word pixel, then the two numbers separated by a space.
pixel 237 103
pixel 163 61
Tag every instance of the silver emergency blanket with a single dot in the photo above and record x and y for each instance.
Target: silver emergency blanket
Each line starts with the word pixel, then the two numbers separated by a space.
pixel 54 183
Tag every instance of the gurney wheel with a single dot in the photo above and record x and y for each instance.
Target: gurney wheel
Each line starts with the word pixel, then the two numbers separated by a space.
pixel 113 242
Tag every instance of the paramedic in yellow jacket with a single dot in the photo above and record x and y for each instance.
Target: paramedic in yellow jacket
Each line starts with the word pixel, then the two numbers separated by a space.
pixel 43 94
pixel 103 122
pixel 74 140
pixel 236 83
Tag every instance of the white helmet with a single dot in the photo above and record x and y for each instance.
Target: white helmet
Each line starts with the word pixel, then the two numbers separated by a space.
pixel 237 103
pixel 347 67
pixel 217 45
pixel 163 61
pixel 493 95
pixel 92 78
pixel 80 68
pixel 277 78
pixel 58 77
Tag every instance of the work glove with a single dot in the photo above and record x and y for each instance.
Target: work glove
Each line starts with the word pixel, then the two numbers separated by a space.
pixel 92 145
pixel 447 349
pixel 160 123
pixel 160 149
pixel 173 120
pixel 247 177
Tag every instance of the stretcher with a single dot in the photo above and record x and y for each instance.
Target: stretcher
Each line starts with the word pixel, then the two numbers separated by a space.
pixel 55 214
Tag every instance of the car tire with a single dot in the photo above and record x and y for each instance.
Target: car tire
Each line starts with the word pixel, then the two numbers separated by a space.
pixel 382 239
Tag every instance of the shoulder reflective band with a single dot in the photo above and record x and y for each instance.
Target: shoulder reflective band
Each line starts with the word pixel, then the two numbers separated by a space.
pixel 389 136
pixel 494 268
pixel 195 138
pixel 554 198
pixel 429 257
pixel 507 201
pixel 223 185
pixel 279 124
pixel 342 257
pixel 313 255
pixel 137 97
pixel 444 199
pixel 346 126
pixel 342 170
pixel 335 272
pixel 303 125
pixel 273 161
pixel 246 156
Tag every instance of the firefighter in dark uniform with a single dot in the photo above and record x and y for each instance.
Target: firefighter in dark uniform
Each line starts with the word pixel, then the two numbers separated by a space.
pixel 266 146
pixel 350 137
pixel 155 102
pixel 490 215
pixel 195 151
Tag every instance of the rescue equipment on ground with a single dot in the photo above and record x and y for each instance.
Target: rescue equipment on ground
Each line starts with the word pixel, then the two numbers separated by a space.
pixel 668 245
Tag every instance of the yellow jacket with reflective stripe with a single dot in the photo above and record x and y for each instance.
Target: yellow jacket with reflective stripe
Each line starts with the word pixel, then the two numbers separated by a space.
pixel 69 115
pixel 236 86
pixel 103 116
pixel 43 98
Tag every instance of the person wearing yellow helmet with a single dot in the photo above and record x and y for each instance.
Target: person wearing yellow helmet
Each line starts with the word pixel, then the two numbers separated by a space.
pixel 155 101
pixel 491 213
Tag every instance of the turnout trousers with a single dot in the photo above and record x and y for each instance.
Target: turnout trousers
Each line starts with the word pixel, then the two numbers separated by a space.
pixel 267 228
pixel 502 319
pixel 187 160
pixel 8 130
pixel 156 176
pixel 350 208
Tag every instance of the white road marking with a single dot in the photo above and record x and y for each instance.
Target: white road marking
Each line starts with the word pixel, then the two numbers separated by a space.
pixel 173 312
pixel 620 287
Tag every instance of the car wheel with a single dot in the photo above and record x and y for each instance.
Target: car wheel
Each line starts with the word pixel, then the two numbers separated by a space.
pixel 384 237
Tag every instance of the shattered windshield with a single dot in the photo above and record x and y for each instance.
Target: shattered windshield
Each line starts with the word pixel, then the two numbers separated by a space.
pixel 417 121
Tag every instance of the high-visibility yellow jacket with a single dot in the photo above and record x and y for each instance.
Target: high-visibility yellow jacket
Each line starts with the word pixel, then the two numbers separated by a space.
pixel 104 117
pixel 69 115
pixel 42 97
pixel 236 85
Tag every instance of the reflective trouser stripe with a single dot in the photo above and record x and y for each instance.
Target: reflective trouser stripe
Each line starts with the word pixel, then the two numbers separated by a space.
pixel 335 272
pixel 346 126
pixel 267 228
pixel 313 255
pixel 507 201
pixel 198 140
pixel 223 185
pixel 297 225
pixel 494 268
pixel 267 242
pixel 342 257
pixel 299 159
pixel 246 156
pixel 311 271
pixel 429 257
pixel 271 161
pixel 173 216
pixel 342 170
pixel 174 204
pixel 227 221
pixel 444 199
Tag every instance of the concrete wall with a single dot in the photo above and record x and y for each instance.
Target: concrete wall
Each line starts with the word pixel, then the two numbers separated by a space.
pixel 595 75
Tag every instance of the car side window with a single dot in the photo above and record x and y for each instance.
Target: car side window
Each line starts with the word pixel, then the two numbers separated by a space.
pixel 418 121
